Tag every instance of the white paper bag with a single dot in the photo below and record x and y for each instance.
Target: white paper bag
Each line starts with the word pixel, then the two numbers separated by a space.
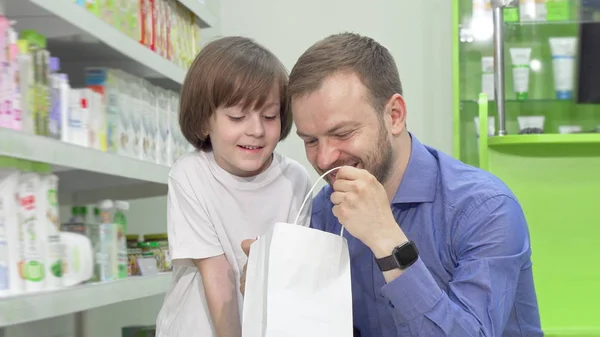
pixel 298 285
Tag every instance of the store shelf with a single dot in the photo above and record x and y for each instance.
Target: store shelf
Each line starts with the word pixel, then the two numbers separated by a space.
pixel 79 37
pixel 552 23
pixel 88 175
pixel 207 19
pixel 46 150
pixel 528 101
pixel 36 306
pixel 544 139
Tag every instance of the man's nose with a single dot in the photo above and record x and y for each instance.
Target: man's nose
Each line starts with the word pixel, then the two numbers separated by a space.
pixel 327 155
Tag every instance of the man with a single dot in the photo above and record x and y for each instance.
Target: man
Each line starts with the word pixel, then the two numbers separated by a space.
pixel 471 274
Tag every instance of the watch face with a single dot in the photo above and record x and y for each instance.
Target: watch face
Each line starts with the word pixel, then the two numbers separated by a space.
pixel 406 254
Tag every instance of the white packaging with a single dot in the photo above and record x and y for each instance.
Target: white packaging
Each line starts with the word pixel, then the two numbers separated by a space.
pixel 176 130
pixel 26 79
pixel 65 105
pixel 97 121
pixel 50 225
pixel 136 119
pixel 171 111
pixel 79 115
pixel 124 129
pixel 112 110
pixel 162 133
pixel 150 125
pixel 10 254
pixel 33 238
pixel 487 77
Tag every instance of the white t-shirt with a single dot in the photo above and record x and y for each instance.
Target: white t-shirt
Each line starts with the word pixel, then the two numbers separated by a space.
pixel 210 212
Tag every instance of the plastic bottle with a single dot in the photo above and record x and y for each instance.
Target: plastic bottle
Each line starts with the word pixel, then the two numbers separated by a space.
pixel 120 221
pixel 55 104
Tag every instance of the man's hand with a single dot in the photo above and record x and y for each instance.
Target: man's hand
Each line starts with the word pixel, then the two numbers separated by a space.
pixel 246 248
pixel 361 205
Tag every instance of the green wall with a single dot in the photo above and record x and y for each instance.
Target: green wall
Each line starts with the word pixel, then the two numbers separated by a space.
pixel 554 176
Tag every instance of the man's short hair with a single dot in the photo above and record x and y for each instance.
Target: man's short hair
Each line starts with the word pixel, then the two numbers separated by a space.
pixel 347 52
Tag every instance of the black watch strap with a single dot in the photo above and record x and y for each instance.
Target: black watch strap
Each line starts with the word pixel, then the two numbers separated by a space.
pixel 387 263
pixel 402 257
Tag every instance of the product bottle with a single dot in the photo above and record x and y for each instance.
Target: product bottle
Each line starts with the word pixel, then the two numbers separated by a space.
pixel 4 74
pixel 15 118
pixel 55 104
pixel 120 222
pixel 26 89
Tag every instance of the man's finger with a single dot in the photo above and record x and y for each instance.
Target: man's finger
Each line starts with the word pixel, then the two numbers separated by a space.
pixel 337 197
pixel 349 173
pixel 246 246
pixel 342 185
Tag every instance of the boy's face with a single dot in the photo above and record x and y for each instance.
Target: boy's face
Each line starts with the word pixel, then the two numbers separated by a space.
pixel 243 140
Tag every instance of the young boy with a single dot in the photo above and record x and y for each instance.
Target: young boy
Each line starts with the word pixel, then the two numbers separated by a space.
pixel 234 110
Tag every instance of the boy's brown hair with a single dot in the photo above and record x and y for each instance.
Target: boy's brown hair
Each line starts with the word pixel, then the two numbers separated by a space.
pixel 369 60
pixel 228 72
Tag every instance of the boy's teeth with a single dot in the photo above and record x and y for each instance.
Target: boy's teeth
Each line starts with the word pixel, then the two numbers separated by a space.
pixel 250 147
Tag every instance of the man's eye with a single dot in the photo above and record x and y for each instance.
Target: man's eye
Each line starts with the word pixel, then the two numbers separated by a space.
pixel 344 135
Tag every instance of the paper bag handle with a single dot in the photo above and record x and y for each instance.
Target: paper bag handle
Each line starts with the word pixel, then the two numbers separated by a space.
pixel 310 193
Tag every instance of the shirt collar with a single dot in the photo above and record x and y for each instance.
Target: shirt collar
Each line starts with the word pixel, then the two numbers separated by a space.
pixel 419 182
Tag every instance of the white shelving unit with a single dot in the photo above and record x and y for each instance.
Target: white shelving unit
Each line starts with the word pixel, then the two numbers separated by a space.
pixel 37 306
pixel 86 175
pixel 199 8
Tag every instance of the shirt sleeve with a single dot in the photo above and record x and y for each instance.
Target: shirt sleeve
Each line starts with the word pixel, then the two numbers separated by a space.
pixel 491 245
pixel 191 233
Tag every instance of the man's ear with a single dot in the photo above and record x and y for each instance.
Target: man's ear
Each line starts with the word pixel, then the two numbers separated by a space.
pixel 396 109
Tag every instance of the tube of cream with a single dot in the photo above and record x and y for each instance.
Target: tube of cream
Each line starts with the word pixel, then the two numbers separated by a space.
pixel 520 58
pixel 487 77
pixel 563 62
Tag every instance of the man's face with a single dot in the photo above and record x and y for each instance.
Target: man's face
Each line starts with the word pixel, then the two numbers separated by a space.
pixel 339 126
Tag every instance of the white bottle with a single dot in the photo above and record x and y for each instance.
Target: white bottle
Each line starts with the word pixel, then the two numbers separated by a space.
pixel 79 117
pixel 50 227
pixel 10 257
pixel 33 240
pixel 64 88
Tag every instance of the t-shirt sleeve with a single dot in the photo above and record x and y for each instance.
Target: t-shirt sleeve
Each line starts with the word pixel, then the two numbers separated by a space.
pixel 191 233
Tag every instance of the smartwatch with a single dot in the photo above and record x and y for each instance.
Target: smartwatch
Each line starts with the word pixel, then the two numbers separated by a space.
pixel 402 257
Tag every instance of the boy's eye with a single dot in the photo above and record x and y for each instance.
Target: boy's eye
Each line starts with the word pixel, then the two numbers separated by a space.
pixel 236 119
pixel 270 118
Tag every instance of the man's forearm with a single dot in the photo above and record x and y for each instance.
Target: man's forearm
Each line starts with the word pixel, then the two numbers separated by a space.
pixel 384 246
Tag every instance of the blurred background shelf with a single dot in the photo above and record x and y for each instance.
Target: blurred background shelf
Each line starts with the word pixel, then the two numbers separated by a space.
pixel 545 139
pixel 37 306
pixel 87 175
pixel 80 38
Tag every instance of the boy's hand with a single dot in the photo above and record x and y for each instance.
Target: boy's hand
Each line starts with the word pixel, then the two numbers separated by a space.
pixel 246 248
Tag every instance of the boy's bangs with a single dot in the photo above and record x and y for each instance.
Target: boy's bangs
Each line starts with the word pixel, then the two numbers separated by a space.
pixel 250 87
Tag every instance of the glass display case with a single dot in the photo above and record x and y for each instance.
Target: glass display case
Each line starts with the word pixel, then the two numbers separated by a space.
pixel 549 87
pixel 527 109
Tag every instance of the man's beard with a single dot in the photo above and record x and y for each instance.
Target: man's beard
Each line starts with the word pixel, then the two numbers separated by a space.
pixel 378 162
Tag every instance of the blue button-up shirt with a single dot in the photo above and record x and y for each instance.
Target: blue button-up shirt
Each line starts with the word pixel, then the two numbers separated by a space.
pixel 474 273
